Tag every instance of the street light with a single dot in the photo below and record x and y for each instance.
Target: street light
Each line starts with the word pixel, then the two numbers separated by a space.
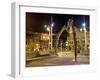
pixel 48 29
pixel 84 29
pixel 45 26
pixel 84 24
pixel 81 29
pixel 52 24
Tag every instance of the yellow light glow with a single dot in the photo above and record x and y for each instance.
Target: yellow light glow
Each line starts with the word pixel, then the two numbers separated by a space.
pixel 48 29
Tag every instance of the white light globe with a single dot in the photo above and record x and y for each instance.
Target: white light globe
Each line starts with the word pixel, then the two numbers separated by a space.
pixel 84 24
pixel 52 24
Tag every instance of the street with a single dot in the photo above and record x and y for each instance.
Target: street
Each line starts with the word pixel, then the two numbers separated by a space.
pixel 58 61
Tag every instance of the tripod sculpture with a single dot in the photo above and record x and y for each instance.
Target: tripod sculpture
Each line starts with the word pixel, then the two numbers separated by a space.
pixel 67 28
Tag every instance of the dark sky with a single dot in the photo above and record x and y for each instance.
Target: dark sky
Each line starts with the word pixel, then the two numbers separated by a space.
pixel 36 21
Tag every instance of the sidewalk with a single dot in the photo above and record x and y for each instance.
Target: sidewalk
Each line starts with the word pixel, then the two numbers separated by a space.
pixel 38 58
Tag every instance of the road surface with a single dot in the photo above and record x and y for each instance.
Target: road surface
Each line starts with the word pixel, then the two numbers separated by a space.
pixel 57 61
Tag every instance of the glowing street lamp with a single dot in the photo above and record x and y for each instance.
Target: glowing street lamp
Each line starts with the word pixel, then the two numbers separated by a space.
pixel 84 28
pixel 45 26
pixel 81 29
pixel 52 24
pixel 48 29
pixel 84 24
pixel 51 31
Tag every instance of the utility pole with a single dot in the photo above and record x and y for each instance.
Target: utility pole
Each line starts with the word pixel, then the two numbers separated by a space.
pixel 84 28
pixel 51 32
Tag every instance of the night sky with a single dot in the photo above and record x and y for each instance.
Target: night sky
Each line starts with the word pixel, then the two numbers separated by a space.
pixel 35 21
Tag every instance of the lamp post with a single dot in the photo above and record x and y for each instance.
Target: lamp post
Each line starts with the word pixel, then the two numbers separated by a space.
pixel 51 30
pixel 84 29
pixel 48 29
